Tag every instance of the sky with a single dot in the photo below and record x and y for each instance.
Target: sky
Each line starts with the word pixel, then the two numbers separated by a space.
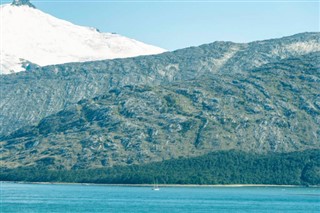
pixel 175 24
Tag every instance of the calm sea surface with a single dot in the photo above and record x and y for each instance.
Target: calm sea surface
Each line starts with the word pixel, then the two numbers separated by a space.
pixel 91 198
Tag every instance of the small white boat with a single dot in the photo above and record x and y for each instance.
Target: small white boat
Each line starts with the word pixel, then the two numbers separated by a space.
pixel 155 187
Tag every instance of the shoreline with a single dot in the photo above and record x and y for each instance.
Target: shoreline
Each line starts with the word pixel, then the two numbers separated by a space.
pixel 164 185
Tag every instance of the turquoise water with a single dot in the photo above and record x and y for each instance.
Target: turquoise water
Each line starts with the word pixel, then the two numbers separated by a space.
pixel 91 198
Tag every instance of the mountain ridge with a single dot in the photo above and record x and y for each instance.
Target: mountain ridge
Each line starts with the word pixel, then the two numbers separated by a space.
pixel 254 111
pixel 58 86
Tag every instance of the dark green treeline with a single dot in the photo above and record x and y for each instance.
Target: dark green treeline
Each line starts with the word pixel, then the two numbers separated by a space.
pixel 223 167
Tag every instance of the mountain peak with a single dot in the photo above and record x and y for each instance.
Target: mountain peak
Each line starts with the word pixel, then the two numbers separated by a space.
pixel 22 2
pixel 72 43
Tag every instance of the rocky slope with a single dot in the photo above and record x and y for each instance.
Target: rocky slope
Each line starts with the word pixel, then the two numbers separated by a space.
pixel 139 110
pixel 28 97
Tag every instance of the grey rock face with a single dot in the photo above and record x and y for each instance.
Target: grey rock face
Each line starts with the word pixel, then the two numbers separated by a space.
pixel 22 2
pixel 26 98
pixel 272 108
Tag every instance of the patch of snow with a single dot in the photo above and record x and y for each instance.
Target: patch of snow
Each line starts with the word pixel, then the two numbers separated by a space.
pixel 30 34
pixel 214 64
pixel 219 62
pixel 11 64
pixel 304 47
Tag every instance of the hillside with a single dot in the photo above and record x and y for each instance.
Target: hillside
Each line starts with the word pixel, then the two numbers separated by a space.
pixel 28 97
pixel 273 108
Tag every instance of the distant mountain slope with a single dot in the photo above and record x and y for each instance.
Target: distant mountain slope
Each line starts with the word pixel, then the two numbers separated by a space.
pixel 258 53
pixel 28 97
pixel 29 35
pixel 273 108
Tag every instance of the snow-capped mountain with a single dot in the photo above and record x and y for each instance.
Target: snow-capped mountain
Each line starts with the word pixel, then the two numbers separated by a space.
pixel 29 35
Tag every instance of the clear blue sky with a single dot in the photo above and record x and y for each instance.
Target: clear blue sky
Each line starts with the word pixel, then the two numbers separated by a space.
pixel 178 24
